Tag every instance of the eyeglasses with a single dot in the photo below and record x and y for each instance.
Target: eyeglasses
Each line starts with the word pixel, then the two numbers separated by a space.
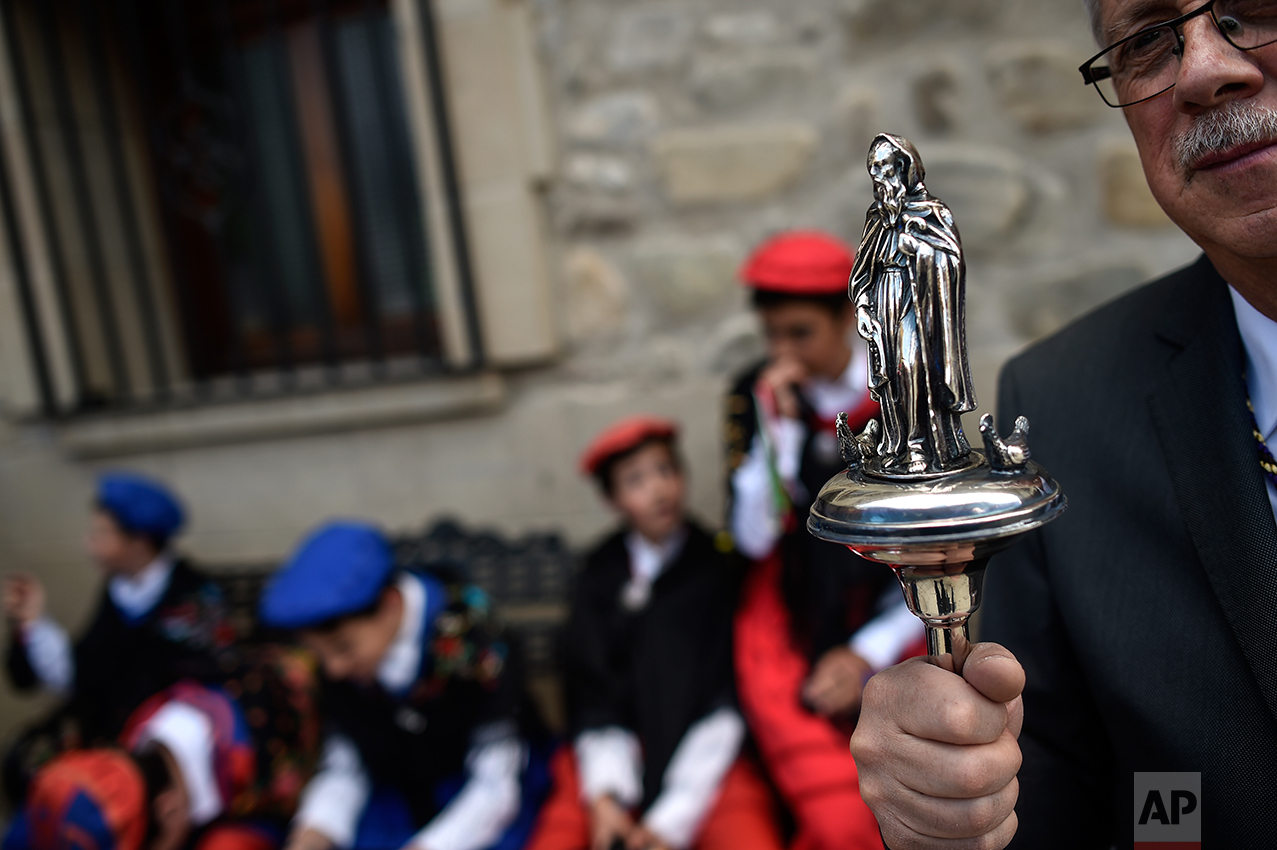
pixel 1144 65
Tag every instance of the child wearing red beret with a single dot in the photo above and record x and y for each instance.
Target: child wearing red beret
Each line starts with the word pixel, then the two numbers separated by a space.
pixel 655 761
pixel 815 621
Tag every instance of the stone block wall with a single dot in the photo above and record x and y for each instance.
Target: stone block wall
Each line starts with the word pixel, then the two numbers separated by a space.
pixel 691 130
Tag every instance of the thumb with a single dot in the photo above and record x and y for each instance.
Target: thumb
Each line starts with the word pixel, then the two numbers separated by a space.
pixel 994 671
pixel 1015 716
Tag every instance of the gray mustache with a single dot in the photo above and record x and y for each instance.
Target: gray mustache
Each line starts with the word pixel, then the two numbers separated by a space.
pixel 1236 123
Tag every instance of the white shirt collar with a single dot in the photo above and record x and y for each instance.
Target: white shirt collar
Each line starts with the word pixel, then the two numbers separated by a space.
pixel 187 734
pixel 1259 336
pixel 829 398
pixel 137 595
pixel 647 561
pixel 402 662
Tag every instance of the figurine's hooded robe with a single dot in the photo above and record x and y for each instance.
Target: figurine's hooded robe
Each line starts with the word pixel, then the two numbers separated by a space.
pixel 923 243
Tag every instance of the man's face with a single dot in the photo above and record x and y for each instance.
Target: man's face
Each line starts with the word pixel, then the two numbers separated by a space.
pixel 354 649
pixel 648 490
pixel 1226 199
pixel 884 168
pixel 810 334
pixel 115 551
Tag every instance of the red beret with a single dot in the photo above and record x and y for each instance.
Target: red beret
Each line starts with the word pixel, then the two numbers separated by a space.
pixel 799 262
pixel 89 798
pixel 622 436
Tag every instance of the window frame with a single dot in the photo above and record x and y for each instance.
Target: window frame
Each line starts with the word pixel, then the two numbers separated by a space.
pixel 486 318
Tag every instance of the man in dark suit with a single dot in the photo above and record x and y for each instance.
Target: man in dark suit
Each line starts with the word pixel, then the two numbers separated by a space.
pixel 1135 634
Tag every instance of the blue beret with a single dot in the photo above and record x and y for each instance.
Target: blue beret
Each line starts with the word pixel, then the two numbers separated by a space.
pixel 339 569
pixel 140 505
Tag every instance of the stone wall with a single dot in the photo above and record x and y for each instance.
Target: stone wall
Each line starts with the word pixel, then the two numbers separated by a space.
pixel 691 130
pixel 687 132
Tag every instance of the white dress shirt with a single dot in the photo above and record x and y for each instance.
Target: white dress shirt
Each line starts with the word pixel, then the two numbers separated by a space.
pixel 1259 336
pixel 610 762
pixel 49 653
pixel 648 560
pixel 694 776
pixel 336 795
pixel 402 662
pixel 480 812
pixel 136 595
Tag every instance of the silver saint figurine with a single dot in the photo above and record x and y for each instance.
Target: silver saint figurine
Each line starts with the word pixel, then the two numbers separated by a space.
pixel 915 495
pixel 908 287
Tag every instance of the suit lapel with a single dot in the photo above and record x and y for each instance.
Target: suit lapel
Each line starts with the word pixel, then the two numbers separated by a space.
pixel 1199 412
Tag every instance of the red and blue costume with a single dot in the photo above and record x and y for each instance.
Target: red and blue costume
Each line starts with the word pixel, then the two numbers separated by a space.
pixel 258 745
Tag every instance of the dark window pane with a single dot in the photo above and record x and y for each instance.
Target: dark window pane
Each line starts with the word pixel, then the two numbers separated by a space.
pixel 378 136
pixel 306 237
pixel 270 107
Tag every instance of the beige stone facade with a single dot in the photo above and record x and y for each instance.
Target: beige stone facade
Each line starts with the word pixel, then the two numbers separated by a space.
pixel 619 158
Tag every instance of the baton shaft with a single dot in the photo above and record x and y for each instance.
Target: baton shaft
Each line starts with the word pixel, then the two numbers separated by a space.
pixel 949 646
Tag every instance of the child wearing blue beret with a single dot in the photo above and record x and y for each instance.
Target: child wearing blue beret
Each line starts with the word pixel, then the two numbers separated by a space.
pixel 157 620
pixel 428 743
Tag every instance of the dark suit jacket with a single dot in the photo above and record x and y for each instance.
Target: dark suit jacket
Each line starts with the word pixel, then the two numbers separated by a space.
pixel 1145 616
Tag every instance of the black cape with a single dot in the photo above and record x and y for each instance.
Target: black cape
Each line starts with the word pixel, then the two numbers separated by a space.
pixel 657 670
pixel 470 679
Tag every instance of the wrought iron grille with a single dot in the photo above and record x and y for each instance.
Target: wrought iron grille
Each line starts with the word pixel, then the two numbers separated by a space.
pixel 229 195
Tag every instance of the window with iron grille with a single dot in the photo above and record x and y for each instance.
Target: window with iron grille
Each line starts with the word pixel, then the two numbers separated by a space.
pixel 231 197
